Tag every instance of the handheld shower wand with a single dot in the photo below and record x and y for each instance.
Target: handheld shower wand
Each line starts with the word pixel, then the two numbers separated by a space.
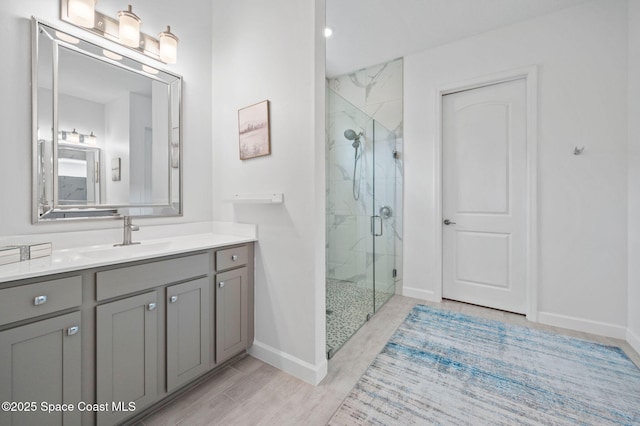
pixel 355 137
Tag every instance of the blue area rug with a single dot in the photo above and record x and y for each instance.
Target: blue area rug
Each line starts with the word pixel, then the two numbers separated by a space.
pixel 447 368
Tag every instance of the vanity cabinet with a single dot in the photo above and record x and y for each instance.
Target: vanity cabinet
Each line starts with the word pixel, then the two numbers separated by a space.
pixel 234 297
pixel 126 354
pixel 40 350
pixel 188 319
pixel 150 329
pixel 232 316
pixel 41 362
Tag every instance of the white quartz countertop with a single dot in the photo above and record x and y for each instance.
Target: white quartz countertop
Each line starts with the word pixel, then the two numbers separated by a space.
pixel 74 259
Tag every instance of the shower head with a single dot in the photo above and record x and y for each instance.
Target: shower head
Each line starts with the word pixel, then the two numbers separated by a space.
pixel 353 136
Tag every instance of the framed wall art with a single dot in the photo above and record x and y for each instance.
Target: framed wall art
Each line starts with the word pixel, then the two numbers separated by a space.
pixel 253 128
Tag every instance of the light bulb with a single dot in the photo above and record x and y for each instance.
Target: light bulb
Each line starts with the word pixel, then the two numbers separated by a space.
pixel 129 31
pixel 168 46
pixel 82 12
pixel 73 136
pixel 91 139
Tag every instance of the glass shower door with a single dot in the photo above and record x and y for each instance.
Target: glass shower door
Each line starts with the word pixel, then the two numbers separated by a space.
pixel 383 215
pixel 361 218
pixel 349 285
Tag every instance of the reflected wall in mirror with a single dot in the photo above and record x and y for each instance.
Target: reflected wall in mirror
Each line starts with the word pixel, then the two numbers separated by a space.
pixel 91 106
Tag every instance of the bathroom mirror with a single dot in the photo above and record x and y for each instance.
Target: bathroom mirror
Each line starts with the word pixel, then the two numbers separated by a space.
pixel 106 132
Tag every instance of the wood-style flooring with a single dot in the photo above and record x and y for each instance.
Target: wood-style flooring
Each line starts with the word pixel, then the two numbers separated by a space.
pixel 250 392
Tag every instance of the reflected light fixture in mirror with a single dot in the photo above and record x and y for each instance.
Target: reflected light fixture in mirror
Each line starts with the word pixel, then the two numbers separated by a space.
pixel 67 38
pixel 168 46
pixel 82 12
pixel 91 139
pixel 129 30
pixel 149 70
pixel 111 55
pixel 73 136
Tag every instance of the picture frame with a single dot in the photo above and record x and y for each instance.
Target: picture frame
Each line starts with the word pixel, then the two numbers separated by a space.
pixel 254 131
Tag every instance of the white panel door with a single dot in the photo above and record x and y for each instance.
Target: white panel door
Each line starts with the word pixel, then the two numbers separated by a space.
pixel 485 196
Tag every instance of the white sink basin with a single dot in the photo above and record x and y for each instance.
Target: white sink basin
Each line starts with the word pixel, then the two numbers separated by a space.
pixel 109 252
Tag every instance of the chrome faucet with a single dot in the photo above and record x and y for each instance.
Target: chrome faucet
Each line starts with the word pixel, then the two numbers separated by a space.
pixel 128 228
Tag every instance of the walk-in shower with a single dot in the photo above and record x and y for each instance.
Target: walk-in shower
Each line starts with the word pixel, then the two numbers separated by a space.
pixel 361 182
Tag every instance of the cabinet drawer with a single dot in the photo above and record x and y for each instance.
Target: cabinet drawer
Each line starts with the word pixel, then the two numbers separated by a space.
pixel 27 301
pixel 231 258
pixel 121 281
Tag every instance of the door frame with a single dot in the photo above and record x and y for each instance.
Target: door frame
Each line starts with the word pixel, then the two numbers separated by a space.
pixel 530 75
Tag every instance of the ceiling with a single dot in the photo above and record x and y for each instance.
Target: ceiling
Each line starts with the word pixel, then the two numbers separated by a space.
pixel 369 32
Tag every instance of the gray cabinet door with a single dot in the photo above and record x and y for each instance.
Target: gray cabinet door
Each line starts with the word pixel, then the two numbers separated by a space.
pixel 41 362
pixel 126 359
pixel 232 313
pixel 188 330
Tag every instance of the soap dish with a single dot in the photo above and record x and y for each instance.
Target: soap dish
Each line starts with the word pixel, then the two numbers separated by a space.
pixel 9 255
pixel 34 251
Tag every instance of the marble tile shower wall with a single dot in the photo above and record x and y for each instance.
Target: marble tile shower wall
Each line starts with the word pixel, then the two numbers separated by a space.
pixel 378 92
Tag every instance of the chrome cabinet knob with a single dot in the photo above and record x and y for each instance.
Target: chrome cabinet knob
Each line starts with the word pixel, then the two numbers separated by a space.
pixel 173 299
pixel 448 222
pixel 39 300
pixel 151 306
pixel 73 330
pixel 234 257
pixel 221 284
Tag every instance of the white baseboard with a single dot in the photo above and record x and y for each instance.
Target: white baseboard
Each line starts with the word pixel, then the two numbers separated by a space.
pixel 419 293
pixel 288 363
pixel 634 340
pixel 582 324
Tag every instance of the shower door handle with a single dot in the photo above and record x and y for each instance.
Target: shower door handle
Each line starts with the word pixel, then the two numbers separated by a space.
pixel 373 226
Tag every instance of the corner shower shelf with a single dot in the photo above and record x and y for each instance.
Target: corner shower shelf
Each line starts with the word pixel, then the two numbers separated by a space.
pixel 272 198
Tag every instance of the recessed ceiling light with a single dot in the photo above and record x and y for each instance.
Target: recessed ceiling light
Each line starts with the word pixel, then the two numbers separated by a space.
pixel 328 32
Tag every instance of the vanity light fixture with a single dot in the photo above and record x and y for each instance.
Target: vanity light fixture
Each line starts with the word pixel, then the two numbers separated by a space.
pixel 125 30
pixel 77 138
pixel 129 28
pixel 91 139
pixel 82 12
pixel 168 46
pixel 73 136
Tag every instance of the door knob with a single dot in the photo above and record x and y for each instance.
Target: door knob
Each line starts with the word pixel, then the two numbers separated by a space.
pixel 448 222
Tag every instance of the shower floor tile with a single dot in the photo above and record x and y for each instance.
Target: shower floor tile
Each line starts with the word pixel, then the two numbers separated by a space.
pixel 348 305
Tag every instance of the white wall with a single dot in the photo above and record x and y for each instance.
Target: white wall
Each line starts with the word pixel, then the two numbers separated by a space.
pixel 192 24
pixel 273 50
pixel 581 54
pixel 633 330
